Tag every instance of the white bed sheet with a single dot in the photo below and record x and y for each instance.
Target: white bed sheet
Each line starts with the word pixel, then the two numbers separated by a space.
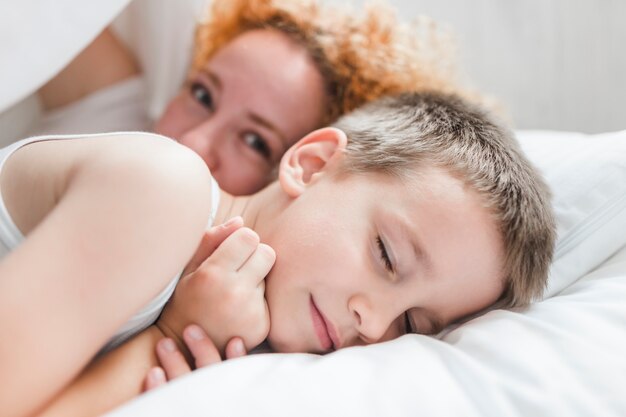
pixel 564 356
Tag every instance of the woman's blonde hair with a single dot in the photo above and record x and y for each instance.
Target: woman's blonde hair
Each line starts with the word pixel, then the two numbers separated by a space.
pixel 361 56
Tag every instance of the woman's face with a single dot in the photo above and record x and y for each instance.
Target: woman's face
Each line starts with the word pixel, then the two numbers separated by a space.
pixel 253 99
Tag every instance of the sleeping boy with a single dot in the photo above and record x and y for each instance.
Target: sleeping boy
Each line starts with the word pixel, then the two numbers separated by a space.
pixel 407 215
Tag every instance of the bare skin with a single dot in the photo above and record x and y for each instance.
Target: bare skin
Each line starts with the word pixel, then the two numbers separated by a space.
pixel 351 279
pixel 105 62
pixel 145 362
pixel 133 175
pixel 134 367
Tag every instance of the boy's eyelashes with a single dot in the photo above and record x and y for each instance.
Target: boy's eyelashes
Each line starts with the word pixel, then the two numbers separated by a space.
pixel 386 259
pixel 384 256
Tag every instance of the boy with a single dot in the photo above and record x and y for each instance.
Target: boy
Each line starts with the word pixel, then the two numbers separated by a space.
pixel 410 214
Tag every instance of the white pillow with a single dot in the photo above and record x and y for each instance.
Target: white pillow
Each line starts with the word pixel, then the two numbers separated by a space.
pixel 160 34
pixel 564 356
pixel 38 38
pixel 587 175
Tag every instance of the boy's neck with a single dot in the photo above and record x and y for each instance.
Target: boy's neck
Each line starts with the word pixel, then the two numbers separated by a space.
pixel 256 210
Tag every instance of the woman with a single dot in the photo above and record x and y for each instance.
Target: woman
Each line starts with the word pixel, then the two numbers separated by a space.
pixel 264 73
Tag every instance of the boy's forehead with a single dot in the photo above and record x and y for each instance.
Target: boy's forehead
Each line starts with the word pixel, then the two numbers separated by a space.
pixel 424 180
pixel 436 200
pixel 410 188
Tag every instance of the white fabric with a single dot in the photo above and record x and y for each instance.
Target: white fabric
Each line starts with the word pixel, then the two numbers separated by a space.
pixel 587 175
pixel 117 108
pixel 39 38
pixel 160 33
pixel 562 357
pixel 11 237
pixel 19 119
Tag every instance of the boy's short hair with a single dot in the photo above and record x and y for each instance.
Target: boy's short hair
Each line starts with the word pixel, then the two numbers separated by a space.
pixel 396 135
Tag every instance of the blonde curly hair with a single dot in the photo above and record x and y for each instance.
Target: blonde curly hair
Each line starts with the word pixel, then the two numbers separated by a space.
pixel 361 56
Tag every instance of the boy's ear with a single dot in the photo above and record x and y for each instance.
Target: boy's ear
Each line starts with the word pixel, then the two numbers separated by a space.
pixel 308 157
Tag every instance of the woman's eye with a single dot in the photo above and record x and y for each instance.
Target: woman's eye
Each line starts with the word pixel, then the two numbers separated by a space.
pixel 202 95
pixel 384 256
pixel 258 144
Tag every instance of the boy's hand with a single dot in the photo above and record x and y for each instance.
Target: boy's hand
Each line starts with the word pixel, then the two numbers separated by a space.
pixel 223 288
pixel 173 364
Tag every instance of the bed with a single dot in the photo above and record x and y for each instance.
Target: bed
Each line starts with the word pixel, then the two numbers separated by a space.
pixel 563 356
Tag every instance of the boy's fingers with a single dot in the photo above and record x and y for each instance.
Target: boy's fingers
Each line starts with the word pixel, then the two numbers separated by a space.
pixel 171 359
pixel 211 239
pixel 236 249
pixel 201 346
pixel 259 264
pixel 235 348
pixel 154 379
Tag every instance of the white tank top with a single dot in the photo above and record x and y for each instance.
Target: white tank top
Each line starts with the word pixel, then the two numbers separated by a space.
pixel 11 237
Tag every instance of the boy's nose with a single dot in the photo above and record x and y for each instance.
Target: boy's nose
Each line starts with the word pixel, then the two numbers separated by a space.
pixel 372 321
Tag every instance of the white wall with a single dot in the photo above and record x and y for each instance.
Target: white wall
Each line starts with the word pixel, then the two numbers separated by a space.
pixel 555 64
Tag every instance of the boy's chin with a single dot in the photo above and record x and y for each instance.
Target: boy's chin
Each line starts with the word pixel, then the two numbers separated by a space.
pixel 291 346
pixel 284 345
pixel 280 346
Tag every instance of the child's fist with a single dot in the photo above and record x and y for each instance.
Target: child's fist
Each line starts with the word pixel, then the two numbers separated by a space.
pixel 224 292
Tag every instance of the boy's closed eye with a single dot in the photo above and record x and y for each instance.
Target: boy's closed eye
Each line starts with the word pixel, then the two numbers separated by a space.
pixel 387 262
pixel 384 255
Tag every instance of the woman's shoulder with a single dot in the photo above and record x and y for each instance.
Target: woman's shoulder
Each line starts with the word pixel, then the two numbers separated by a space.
pixel 146 168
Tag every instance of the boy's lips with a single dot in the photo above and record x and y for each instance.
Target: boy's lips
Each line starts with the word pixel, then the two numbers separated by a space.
pixel 323 328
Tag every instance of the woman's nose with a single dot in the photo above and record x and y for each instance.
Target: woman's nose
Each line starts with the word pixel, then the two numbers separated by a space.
pixel 372 319
pixel 206 141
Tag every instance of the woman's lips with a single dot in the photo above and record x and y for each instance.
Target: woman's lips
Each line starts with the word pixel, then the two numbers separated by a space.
pixel 323 328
